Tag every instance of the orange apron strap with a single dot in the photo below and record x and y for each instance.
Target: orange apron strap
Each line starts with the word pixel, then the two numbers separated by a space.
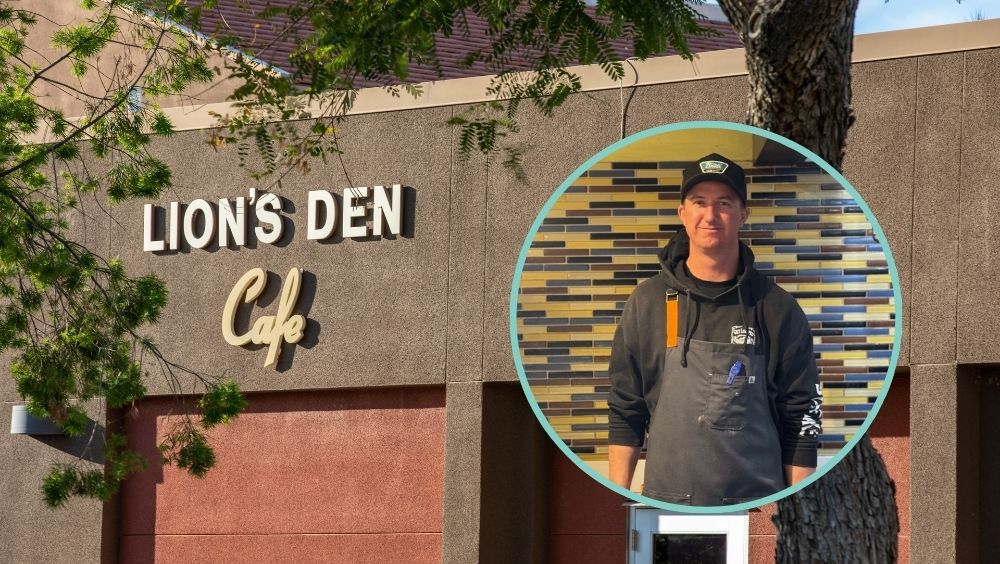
pixel 670 328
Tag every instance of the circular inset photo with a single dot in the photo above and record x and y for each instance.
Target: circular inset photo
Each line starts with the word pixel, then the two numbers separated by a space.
pixel 705 317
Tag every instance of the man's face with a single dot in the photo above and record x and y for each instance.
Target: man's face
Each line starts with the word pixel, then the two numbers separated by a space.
pixel 712 214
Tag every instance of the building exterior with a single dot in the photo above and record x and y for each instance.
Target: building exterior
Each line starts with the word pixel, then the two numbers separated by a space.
pixel 396 429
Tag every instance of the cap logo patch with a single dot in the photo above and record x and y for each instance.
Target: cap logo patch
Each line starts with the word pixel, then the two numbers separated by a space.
pixel 717 167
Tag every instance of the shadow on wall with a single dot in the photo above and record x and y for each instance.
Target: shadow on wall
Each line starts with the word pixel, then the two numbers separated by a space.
pixel 989 462
pixel 89 446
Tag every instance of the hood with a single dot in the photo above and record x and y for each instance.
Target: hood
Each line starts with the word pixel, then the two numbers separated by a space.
pixel 677 250
pixel 671 259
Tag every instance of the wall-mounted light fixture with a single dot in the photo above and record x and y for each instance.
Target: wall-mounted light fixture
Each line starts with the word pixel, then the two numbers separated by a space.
pixel 24 423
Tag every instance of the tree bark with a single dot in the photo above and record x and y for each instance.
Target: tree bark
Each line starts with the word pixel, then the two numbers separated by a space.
pixel 799 63
pixel 848 515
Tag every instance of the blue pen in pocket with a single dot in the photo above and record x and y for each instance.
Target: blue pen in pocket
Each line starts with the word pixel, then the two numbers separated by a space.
pixel 734 372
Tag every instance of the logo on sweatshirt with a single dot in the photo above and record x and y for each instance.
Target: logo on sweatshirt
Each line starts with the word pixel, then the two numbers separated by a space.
pixel 739 336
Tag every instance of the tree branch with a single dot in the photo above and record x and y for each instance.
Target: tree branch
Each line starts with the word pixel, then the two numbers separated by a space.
pixel 90 122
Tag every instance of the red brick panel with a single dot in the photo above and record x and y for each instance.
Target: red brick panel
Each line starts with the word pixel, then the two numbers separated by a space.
pixel 890 433
pixel 587 522
pixel 762 549
pixel 760 520
pixel 413 548
pixel 338 476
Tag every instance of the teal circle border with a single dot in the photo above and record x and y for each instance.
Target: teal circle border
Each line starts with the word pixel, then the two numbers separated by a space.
pixel 681 126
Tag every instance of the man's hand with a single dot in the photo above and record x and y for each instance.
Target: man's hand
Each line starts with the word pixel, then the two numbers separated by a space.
pixel 795 474
pixel 621 461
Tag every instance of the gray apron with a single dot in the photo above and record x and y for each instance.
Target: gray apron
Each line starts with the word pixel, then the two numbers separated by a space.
pixel 712 442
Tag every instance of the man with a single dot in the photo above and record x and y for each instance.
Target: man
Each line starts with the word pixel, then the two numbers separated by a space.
pixel 713 361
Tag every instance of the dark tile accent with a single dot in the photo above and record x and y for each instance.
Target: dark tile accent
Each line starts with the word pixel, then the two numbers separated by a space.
pixel 633 165
pixel 589 260
pixel 773 179
pixel 612 236
pixel 772 195
pixel 634 181
pixel 818 256
pixel 611 205
pixel 868 347
pixel 795 218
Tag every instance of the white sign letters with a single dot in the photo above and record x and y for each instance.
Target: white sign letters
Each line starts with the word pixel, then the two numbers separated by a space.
pixel 359 213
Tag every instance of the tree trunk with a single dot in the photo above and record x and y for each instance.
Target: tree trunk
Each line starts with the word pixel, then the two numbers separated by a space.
pixel 848 515
pixel 799 63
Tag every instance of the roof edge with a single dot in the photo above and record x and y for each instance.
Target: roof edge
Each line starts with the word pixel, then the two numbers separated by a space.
pixel 203 39
pixel 967 36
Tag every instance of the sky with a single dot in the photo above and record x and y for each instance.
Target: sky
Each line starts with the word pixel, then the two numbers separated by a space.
pixel 879 15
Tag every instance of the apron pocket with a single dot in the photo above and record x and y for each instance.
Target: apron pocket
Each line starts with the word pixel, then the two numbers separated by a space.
pixel 726 404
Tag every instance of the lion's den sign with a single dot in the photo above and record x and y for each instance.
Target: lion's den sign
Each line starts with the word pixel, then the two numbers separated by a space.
pixel 356 213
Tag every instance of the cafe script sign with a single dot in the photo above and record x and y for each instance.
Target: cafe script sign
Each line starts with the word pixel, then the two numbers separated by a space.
pixel 355 213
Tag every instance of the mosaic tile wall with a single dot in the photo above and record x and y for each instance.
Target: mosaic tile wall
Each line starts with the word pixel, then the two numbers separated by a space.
pixel 601 239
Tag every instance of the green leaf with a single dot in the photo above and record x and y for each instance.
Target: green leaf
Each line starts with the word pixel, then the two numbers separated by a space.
pixel 76 421
pixel 221 404
pixel 58 485
pixel 194 454
pixel 161 124
pixel 67 152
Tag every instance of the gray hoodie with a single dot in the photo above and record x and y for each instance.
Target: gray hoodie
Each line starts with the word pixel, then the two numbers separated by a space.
pixel 780 335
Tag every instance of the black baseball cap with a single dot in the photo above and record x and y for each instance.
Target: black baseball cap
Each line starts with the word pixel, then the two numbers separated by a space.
pixel 718 168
